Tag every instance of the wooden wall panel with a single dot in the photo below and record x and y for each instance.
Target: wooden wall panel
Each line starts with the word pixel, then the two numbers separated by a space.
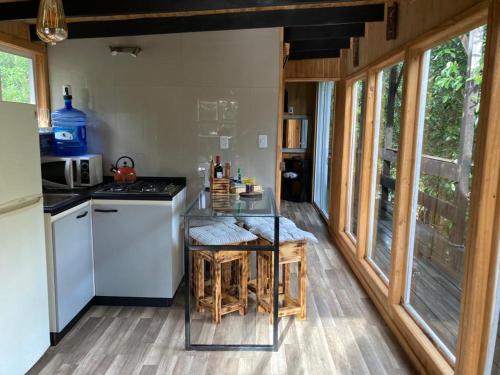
pixel 42 89
pixel 302 97
pixel 16 29
pixel 293 133
pixel 15 35
pixel 313 70
pixel 338 157
pixel 415 19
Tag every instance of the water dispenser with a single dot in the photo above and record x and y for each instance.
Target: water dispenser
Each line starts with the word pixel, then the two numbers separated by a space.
pixel 70 128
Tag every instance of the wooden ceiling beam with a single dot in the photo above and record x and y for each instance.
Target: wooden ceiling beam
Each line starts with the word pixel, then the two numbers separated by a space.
pixel 321 54
pixel 27 10
pixel 324 32
pixel 319 44
pixel 226 21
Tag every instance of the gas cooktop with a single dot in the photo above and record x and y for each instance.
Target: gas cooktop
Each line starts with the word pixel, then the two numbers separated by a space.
pixel 139 190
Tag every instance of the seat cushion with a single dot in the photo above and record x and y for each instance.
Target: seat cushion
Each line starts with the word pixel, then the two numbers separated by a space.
pixel 221 234
pixel 203 221
pixel 264 227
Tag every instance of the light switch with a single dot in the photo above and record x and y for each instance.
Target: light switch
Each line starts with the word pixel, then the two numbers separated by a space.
pixel 224 142
pixel 263 141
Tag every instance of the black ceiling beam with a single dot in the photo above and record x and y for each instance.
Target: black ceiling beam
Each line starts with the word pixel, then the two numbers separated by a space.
pixel 320 44
pixel 324 32
pixel 226 21
pixel 321 54
pixel 95 8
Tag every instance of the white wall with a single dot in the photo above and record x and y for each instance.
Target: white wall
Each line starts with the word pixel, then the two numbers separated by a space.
pixel 166 107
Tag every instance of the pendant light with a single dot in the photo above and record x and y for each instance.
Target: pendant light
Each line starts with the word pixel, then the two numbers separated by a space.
pixel 51 22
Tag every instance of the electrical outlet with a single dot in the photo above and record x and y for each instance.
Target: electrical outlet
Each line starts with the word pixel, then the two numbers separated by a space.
pixel 224 142
pixel 263 141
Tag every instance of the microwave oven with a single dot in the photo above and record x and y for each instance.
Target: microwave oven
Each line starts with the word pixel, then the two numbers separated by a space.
pixel 72 171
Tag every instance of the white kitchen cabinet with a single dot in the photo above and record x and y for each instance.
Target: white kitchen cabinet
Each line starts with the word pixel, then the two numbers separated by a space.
pixel 71 264
pixel 137 247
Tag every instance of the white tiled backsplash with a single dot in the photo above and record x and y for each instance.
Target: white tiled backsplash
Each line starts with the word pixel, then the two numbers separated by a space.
pixel 167 107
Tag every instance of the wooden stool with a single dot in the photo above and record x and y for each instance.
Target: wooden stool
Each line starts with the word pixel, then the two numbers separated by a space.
pixel 220 302
pixel 290 252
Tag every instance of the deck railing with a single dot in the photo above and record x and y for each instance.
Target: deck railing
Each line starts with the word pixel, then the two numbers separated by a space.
pixel 444 251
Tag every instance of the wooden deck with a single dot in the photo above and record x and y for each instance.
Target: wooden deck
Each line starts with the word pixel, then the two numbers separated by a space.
pixel 435 295
pixel 343 333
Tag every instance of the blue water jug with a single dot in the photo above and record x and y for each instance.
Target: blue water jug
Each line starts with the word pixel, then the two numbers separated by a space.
pixel 69 126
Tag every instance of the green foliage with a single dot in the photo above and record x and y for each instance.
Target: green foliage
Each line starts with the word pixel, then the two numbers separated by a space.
pixel 15 78
pixel 392 92
pixel 451 81
pixel 445 99
pixel 390 121
pixel 449 84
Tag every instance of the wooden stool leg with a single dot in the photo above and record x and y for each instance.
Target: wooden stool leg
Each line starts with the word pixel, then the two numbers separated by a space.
pixel 217 292
pixel 249 261
pixel 303 286
pixel 260 281
pixel 286 280
pixel 243 284
pixel 226 277
pixel 199 281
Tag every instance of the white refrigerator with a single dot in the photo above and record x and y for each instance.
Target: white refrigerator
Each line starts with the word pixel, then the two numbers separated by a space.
pixel 24 311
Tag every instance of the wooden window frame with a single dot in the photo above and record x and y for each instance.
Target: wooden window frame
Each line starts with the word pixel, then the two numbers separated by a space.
pixel 418 51
pixel 483 232
pixel 38 54
pixel 372 162
pixel 348 150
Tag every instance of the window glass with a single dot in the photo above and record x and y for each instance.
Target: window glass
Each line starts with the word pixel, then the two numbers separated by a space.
pixel 450 93
pixel 358 115
pixel 16 78
pixel 390 89
pixel 322 150
pixel 493 353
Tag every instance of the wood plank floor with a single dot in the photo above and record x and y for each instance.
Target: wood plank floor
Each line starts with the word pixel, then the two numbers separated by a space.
pixel 343 333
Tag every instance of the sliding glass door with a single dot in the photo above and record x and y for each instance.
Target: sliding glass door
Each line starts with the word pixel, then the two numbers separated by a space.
pixel 322 151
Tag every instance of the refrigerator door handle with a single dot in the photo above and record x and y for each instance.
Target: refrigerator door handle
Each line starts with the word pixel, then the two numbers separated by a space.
pixel 20 203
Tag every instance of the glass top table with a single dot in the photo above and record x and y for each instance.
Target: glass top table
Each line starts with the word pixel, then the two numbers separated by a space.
pixel 232 205
pixel 203 209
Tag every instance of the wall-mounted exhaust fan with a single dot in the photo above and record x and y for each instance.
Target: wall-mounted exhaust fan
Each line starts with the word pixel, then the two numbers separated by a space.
pixel 132 51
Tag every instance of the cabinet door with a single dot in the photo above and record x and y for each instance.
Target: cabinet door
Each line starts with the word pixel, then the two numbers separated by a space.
pixel 132 250
pixel 74 279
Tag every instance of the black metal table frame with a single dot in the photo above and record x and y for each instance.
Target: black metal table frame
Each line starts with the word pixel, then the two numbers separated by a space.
pixel 187 294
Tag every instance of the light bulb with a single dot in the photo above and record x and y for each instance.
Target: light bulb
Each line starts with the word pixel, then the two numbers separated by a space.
pixel 51 24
